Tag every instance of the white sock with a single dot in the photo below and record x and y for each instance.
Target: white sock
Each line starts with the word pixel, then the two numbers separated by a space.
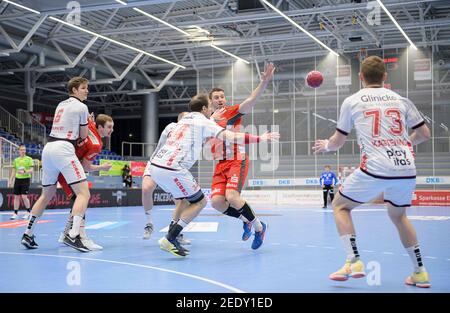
pixel 257 224
pixel 416 258
pixel 182 223
pixel 31 224
pixel 243 218
pixel 148 215
pixel 349 242
pixel 83 229
pixel 75 231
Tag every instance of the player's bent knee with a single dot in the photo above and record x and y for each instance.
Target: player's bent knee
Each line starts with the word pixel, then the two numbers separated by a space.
pixel 396 213
pixel 232 196
pixel 202 203
pixel 81 190
pixel 218 202
pixel 148 185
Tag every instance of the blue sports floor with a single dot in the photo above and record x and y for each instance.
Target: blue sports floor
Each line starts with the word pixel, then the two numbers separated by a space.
pixel 301 249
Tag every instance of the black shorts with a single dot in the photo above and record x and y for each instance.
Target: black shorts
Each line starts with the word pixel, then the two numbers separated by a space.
pixel 21 186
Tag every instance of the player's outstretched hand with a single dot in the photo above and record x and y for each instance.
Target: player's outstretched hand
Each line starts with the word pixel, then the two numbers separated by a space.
pixel 106 166
pixel 268 72
pixel 267 136
pixel 217 115
pixel 320 146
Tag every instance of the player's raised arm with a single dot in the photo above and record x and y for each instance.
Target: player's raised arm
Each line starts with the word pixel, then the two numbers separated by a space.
pixel 246 106
pixel 228 135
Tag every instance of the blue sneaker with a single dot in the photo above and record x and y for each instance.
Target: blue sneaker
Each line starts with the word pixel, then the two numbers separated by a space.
pixel 259 237
pixel 247 231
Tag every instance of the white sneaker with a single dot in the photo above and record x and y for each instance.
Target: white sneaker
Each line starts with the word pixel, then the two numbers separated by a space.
pixel 61 238
pixel 148 230
pixel 26 216
pixel 13 217
pixel 91 245
pixel 183 241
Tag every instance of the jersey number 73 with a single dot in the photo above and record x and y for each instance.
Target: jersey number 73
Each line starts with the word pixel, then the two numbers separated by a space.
pixel 394 115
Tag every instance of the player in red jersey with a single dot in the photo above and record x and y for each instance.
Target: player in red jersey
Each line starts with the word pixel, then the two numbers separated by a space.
pixel 86 152
pixel 231 171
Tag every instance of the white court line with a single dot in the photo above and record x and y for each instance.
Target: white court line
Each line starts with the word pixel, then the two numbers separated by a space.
pixel 46 213
pixel 108 236
pixel 405 254
pixel 332 248
pixel 275 243
pixel 228 287
pixel 311 246
pixel 390 253
pixel 293 244
pixel 448 259
pixel 431 257
pixel 367 251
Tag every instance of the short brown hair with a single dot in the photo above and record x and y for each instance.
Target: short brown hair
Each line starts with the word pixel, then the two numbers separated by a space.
pixel 373 69
pixel 214 90
pixel 75 82
pixel 101 120
pixel 198 102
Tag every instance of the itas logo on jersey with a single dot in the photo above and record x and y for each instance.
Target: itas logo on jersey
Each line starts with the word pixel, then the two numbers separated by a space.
pixel 399 157
pixel 234 179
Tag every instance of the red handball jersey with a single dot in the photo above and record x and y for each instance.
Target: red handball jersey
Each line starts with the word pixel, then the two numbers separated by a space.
pixel 90 148
pixel 226 150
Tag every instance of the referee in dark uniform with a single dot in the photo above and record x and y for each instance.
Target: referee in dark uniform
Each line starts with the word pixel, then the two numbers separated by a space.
pixel 327 180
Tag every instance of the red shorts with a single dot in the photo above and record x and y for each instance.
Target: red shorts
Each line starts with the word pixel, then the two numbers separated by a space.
pixel 229 174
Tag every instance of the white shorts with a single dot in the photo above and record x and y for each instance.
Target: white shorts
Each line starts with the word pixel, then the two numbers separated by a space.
pixel 181 184
pixel 147 169
pixel 59 157
pixel 362 188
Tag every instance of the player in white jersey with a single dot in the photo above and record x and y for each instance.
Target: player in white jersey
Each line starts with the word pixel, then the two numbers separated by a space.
pixel 70 125
pixel 381 118
pixel 170 165
pixel 149 186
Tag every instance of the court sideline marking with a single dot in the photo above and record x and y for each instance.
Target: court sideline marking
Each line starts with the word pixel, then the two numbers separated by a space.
pixel 228 287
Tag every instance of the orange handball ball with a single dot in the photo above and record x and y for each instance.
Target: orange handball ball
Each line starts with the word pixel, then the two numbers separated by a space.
pixel 314 79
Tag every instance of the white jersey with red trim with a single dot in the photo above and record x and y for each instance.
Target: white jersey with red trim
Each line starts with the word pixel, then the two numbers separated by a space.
pixel 185 142
pixel 382 118
pixel 70 114
pixel 163 138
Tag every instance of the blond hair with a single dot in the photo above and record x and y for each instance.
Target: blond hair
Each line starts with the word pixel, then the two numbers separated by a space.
pixel 76 82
